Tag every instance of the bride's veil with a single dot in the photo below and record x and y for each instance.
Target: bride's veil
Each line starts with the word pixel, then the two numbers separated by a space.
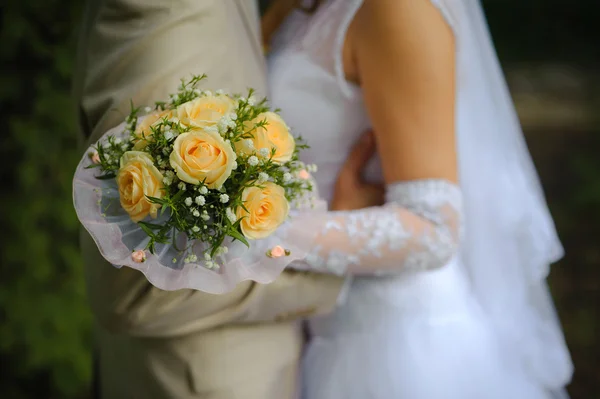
pixel 510 238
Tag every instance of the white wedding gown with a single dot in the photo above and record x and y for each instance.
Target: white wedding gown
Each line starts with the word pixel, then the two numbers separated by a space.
pixel 418 331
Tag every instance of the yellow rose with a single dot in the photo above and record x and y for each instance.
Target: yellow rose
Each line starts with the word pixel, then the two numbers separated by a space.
pixel 274 135
pixel 138 178
pixel 143 130
pixel 268 208
pixel 202 155
pixel 206 110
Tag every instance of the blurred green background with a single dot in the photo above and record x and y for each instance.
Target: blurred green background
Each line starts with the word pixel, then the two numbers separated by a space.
pixel 549 49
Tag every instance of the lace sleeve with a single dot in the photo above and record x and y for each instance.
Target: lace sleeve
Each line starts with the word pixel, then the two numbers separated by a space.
pixel 418 228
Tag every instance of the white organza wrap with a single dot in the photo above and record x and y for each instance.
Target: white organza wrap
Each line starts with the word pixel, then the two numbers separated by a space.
pixel 117 236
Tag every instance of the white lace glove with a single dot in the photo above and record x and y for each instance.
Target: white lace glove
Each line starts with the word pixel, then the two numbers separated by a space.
pixel 418 228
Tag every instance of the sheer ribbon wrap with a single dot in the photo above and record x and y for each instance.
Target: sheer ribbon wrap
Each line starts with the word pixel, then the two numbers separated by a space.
pixel 117 236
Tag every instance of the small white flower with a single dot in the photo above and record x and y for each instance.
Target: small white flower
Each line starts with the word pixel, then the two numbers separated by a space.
pixel 196 213
pixel 195 229
pixel 219 92
pixel 263 177
pixel 207 256
pixel 169 135
pixel 233 116
pixel 170 173
pixel 118 140
pixel 209 264
pixel 230 215
pixel 221 250
pixel 264 152
pixel 203 190
pixel 191 258
pixel 181 185
pixel 252 101
pixel 207 93
pixel 224 198
pixel 211 129
pixel 311 168
pixel 249 144
pixel 200 200
pixel 287 177
pixel 188 201
pixel 234 165
pixel 147 109
pixel 242 99
pixel 167 181
pixel 253 160
pixel 205 217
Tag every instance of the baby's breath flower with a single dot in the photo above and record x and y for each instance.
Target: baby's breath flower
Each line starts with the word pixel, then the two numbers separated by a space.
pixel 200 200
pixel 147 109
pixel 118 140
pixel 230 215
pixel 219 92
pixel 195 229
pixel 287 177
pixel 263 177
pixel 205 216
pixel 234 165
pixel 252 101
pixel 264 152
pixel 196 213
pixel 253 161
pixel 224 198
pixel 190 258
pixel 188 201
pixel 211 129
pixel 207 256
pixel 203 190
pixel 181 185
pixel 233 116
pixel 169 135
pixel 209 264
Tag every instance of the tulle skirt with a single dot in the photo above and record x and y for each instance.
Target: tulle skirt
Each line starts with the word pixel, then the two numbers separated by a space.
pixel 417 336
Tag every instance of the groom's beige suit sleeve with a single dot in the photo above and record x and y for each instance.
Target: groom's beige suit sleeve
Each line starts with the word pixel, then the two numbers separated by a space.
pixel 184 344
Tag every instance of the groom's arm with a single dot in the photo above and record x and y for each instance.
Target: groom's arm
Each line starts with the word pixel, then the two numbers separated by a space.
pixel 139 50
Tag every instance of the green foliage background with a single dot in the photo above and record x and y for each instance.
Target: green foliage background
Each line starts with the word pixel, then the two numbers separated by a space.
pixel 45 340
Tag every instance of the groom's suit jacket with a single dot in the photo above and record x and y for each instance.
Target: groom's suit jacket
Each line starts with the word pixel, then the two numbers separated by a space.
pixel 184 344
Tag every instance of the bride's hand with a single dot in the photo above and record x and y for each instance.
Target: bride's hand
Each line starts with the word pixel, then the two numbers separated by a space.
pixel 351 190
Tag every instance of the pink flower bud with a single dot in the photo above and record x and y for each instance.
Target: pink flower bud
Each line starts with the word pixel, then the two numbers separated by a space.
pixel 303 174
pixel 138 256
pixel 277 252
pixel 96 158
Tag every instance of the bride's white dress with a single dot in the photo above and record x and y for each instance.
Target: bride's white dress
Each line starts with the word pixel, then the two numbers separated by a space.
pixel 415 333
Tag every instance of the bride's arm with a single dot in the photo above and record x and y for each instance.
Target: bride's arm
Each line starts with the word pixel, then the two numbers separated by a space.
pixel 403 54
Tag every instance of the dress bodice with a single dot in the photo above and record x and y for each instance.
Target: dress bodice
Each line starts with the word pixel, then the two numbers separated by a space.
pixel 307 84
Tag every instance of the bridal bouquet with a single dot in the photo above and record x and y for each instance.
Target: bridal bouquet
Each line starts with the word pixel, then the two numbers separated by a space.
pixel 195 192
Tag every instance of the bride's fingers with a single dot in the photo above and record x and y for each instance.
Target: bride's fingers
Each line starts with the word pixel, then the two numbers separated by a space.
pixel 360 155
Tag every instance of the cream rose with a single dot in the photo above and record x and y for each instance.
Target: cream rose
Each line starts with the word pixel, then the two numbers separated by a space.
pixel 267 210
pixel 206 110
pixel 202 156
pixel 274 135
pixel 137 179
pixel 144 128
